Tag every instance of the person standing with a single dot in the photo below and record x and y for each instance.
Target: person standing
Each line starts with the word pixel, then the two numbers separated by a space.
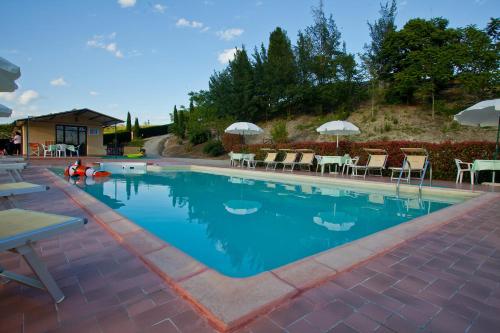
pixel 17 140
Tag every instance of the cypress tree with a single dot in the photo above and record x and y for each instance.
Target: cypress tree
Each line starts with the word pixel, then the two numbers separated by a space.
pixel 129 123
pixel 136 129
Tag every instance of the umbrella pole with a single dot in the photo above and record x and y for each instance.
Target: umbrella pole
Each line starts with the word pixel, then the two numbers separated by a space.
pixel 495 156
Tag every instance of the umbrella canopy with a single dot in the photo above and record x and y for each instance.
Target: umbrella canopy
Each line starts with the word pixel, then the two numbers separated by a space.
pixel 5 111
pixel 243 128
pixel 242 207
pixel 8 74
pixel 335 221
pixel 485 113
pixel 338 127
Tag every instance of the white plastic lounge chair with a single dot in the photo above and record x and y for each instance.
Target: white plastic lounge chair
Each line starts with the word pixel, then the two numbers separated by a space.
pixel 72 149
pixel 10 189
pixel 377 158
pixel 462 167
pixel 414 161
pixel 306 159
pixel 61 150
pixel 289 160
pixel 318 161
pixel 249 159
pixel 19 229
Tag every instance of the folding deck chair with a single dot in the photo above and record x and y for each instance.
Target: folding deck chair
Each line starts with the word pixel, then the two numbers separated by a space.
pixel 9 189
pixel 306 159
pixel 19 229
pixel 289 160
pixel 377 158
pixel 414 162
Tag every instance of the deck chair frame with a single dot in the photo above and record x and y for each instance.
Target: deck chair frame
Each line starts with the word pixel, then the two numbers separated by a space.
pixel 289 161
pixel 306 159
pixel 22 244
pixel 7 191
pixel 371 153
pixel 414 161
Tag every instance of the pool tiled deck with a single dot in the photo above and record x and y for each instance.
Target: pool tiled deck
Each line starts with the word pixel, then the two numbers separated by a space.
pixel 444 280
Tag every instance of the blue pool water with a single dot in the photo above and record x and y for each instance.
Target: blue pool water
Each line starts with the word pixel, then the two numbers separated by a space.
pixel 241 227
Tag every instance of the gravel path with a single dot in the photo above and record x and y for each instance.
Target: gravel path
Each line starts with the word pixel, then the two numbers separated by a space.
pixel 154 145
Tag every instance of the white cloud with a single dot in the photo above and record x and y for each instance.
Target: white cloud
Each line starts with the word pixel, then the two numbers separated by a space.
pixel 229 34
pixel 27 97
pixel 159 8
pixel 59 82
pixel 9 97
pixel 105 43
pixel 227 55
pixel 126 3
pixel 182 22
pixel 93 93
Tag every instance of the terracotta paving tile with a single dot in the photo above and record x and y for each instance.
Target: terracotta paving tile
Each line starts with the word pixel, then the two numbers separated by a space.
pixel 379 282
pixel 264 325
pixel 443 288
pixel 165 326
pixel 361 322
pixel 302 326
pixel 485 324
pixel 115 320
pixel 159 313
pixel 446 321
pixel 375 312
pixel 342 328
pixel 329 316
pixel 295 310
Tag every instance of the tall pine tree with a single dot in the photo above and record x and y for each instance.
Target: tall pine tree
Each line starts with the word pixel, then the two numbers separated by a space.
pixel 136 129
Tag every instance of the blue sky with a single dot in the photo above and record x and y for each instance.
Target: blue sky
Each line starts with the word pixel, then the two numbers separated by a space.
pixel 144 56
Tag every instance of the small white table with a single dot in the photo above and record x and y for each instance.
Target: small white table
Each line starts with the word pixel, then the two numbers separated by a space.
pixel 339 160
pixel 483 165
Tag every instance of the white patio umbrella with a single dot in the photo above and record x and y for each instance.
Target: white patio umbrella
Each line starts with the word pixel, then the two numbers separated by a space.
pixel 483 114
pixel 242 207
pixel 243 128
pixel 5 112
pixel 338 127
pixel 8 74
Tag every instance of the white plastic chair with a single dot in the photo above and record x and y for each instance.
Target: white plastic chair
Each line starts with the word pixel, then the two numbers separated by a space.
pixel 461 169
pixel 351 163
pixel 61 150
pixel 318 161
pixel 46 150
pixel 72 149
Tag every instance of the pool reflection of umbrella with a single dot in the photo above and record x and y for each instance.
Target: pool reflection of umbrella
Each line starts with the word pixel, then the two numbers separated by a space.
pixel 242 207
pixel 238 180
pixel 335 221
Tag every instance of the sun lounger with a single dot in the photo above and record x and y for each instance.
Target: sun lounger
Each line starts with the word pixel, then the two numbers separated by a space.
pixel 9 189
pixel 13 169
pixel 377 158
pixel 289 160
pixel 414 161
pixel 19 229
pixel 306 159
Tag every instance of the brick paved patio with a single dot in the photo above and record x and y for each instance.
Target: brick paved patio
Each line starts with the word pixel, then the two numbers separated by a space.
pixel 443 281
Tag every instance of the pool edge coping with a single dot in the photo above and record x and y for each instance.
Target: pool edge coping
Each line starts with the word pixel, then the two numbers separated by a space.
pixel 213 294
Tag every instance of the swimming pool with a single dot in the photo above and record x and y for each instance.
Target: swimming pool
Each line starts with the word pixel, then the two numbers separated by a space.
pixel 241 227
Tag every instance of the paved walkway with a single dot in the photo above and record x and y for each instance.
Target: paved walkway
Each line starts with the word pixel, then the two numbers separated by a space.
pixel 443 281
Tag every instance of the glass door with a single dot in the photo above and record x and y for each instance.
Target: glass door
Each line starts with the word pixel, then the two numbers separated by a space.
pixel 72 135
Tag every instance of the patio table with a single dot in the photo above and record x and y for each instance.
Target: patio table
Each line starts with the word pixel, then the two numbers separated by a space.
pixel 484 165
pixel 240 157
pixel 339 160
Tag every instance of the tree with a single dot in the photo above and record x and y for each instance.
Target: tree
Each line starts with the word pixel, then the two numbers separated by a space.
pixel 242 91
pixel 373 62
pixel 477 59
pixel 493 29
pixel 261 97
pixel 136 129
pixel 419 59
pixel 181 127
pixel 280 70
pixel 129 123
pixel 326 41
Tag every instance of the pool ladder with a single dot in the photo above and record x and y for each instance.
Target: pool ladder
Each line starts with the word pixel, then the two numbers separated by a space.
pixel 427 165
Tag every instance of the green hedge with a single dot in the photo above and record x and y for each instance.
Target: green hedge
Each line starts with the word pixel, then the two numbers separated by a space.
pixel 441 155
pixel 125 137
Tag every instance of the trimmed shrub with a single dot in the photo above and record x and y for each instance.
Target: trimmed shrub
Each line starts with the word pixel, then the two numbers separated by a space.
pixel 231 140
pixel 441 155
pixel 122 137
pixel 214 148
pixel 147 132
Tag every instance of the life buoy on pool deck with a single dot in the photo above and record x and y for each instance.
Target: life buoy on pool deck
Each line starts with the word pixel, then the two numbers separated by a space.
pixel 77 169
